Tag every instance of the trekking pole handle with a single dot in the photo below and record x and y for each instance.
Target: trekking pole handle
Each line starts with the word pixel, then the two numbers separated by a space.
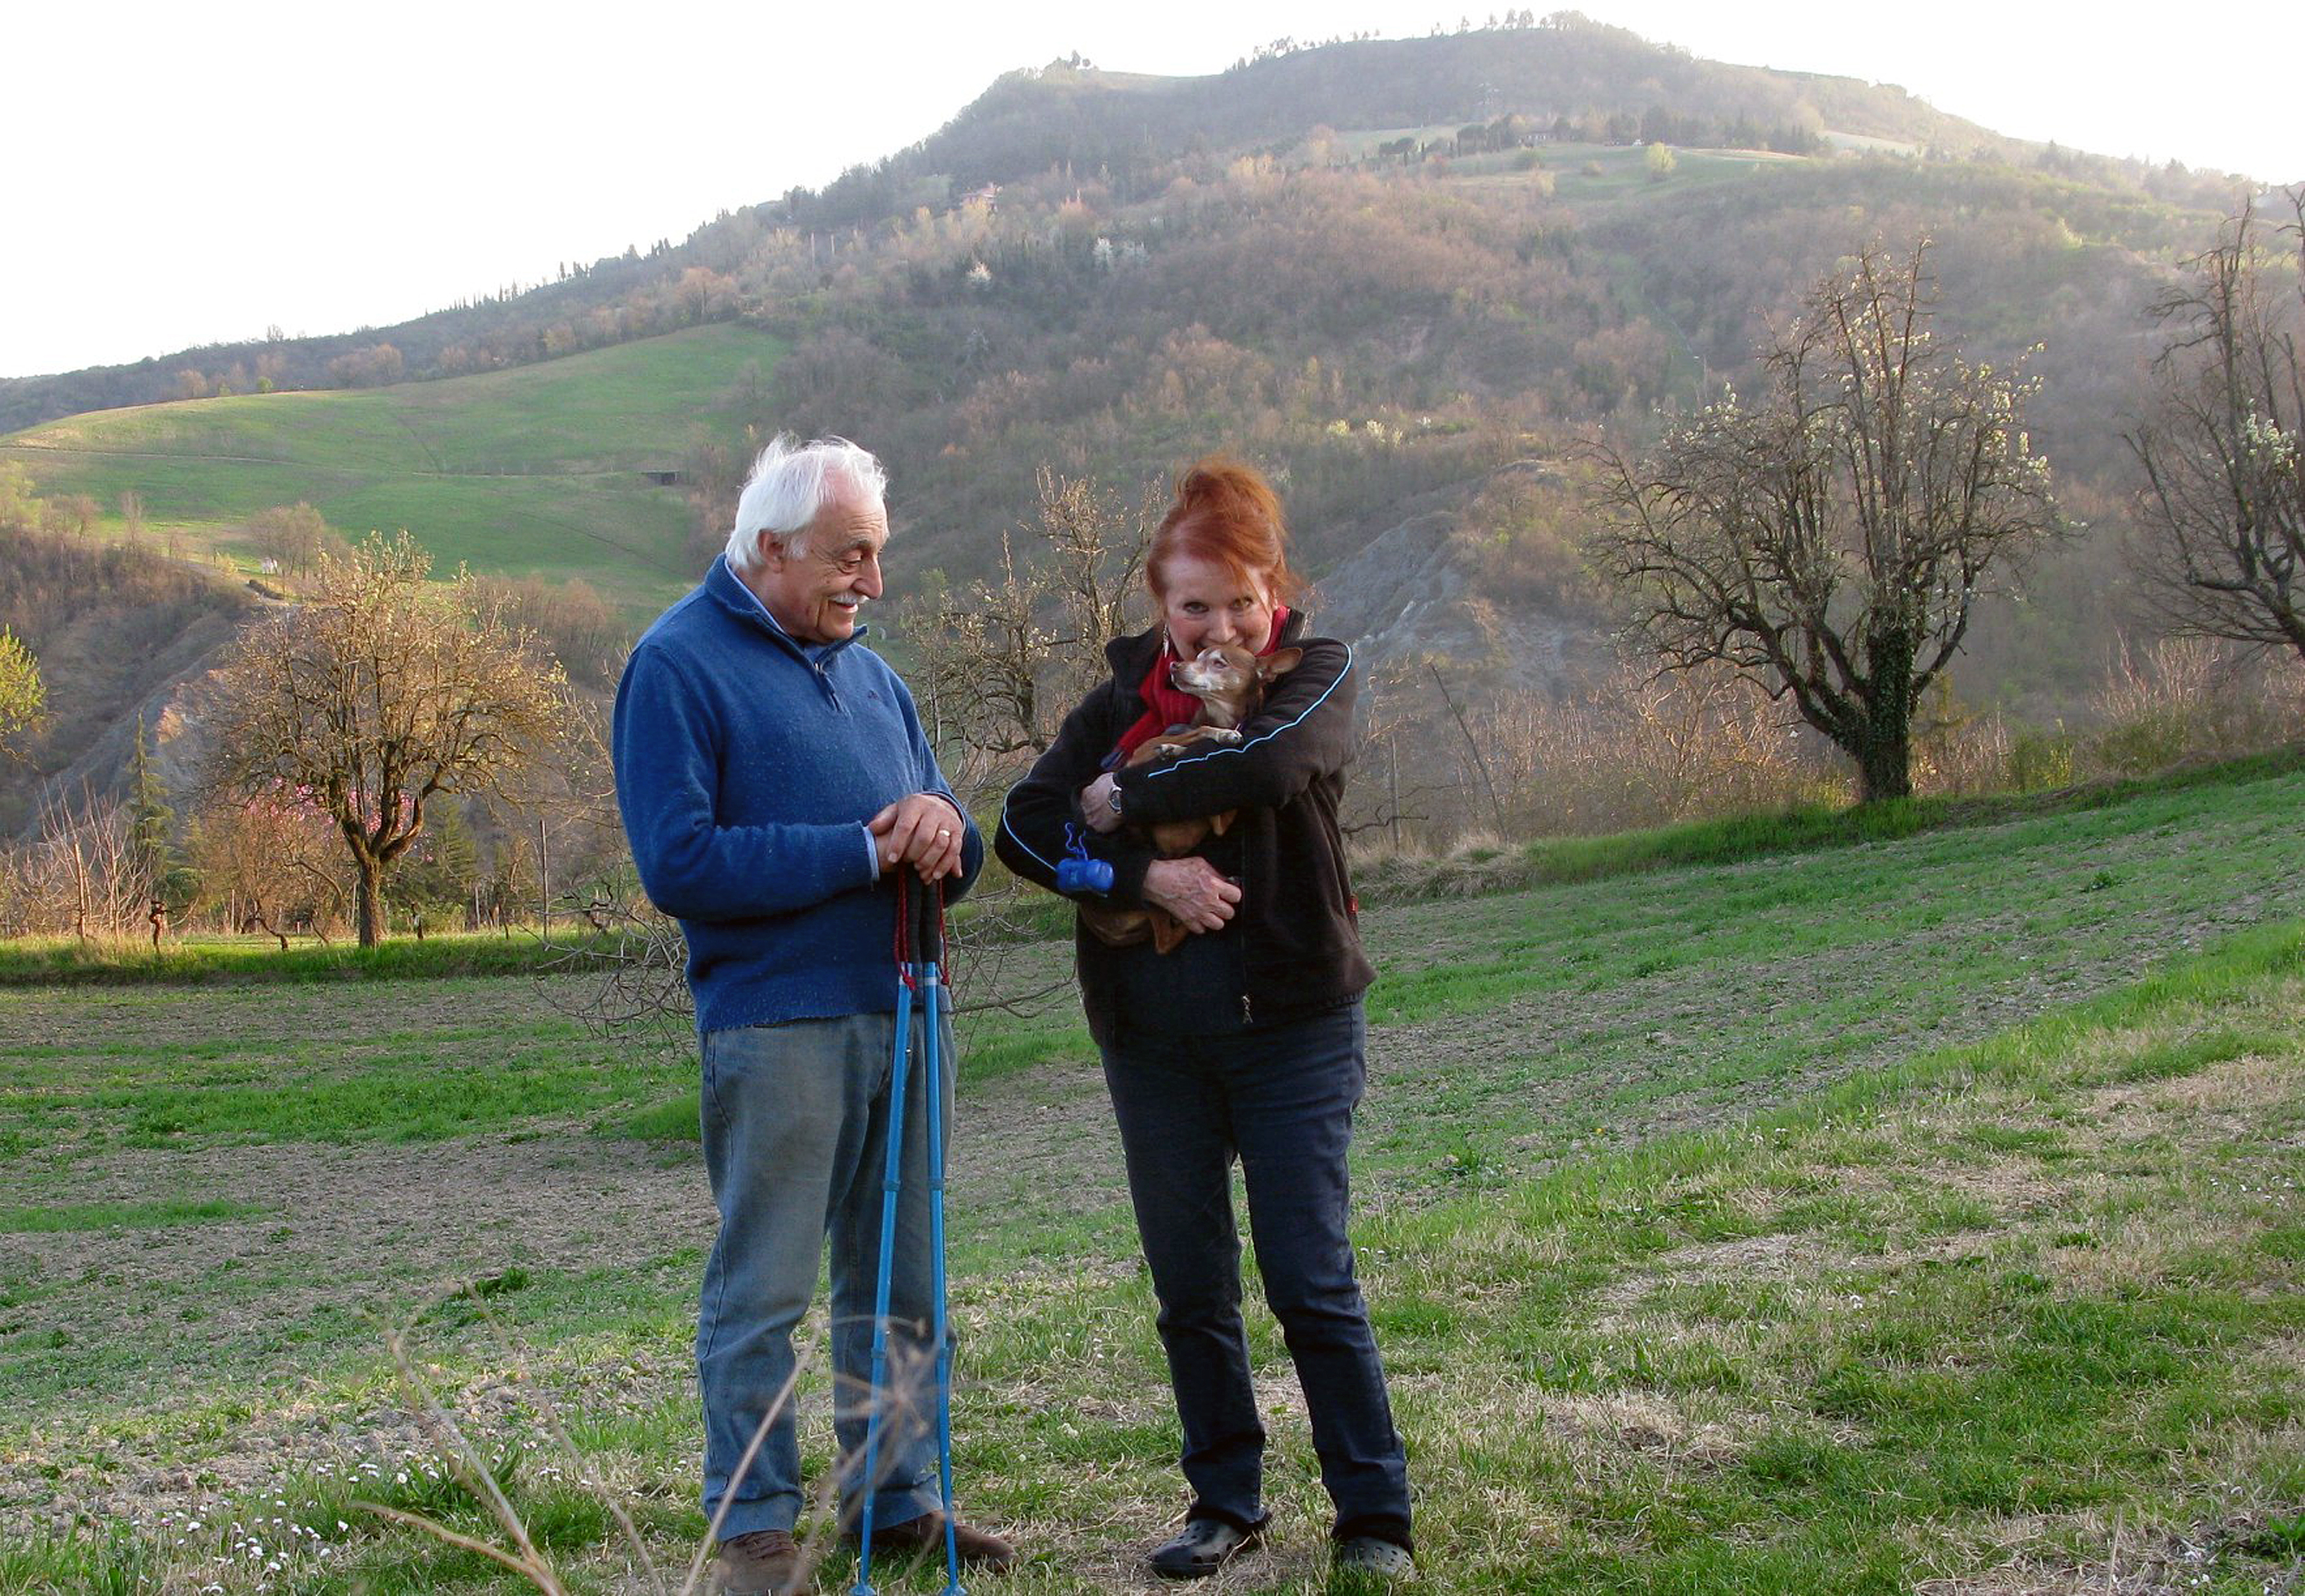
pixel 919 905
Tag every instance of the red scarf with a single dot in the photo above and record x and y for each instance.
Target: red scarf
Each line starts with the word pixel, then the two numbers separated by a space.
pixel 1172 705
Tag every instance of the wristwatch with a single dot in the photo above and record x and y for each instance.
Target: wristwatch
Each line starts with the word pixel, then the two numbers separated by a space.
pixel 1112 800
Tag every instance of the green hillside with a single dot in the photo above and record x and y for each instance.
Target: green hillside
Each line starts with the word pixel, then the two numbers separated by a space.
pixel 541 468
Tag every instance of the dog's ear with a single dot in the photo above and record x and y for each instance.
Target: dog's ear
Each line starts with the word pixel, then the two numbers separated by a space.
pixel 1279 663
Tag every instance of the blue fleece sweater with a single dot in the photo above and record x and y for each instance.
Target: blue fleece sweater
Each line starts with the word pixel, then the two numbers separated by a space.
pixel 746 767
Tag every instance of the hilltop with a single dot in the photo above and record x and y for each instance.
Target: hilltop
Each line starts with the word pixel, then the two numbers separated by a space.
pixel 1567 76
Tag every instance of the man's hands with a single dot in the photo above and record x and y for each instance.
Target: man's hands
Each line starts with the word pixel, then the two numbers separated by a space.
pixel 1191 889
pixel 924 831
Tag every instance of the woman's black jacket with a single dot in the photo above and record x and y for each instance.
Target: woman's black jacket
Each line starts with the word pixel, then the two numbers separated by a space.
pixel 1296 920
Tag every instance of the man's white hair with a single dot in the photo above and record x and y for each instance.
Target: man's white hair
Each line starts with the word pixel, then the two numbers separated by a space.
pixel 791 482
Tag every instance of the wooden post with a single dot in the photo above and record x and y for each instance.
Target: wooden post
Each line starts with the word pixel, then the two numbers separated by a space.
pixel 1392 787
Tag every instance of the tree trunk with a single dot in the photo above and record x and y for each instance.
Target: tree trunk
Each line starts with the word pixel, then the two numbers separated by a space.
pixel 368 903
pixel 1885 765
pixel 1885 754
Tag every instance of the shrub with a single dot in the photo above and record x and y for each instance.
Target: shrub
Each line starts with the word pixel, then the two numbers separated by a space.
pixel 2192 699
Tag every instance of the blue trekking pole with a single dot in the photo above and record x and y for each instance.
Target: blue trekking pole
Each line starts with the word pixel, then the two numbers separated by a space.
pixel 920 955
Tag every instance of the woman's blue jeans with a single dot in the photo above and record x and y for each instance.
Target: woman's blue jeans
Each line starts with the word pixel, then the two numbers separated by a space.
pixel 1279 1098
pixel 796 1122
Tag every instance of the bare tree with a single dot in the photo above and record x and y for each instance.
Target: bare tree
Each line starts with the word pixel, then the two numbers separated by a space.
pixel 294 536
pixel 86 877
pixel 562 813
pixel 638 965
pixel 1004 660
pixel 1000 664
pixel 2223 506
pixel 268 864
pixel 379 692
pixel 1393 711
pixel 1831 538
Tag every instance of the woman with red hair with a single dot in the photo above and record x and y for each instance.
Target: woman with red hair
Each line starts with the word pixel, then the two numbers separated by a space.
pixel 1246 1042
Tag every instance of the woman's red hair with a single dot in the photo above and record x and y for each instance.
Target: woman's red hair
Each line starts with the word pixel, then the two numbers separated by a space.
pixel 1226 512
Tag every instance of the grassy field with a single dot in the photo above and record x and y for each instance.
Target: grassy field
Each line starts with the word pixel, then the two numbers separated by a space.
pixel 1916 1214
pixel 1591 172
pixel 518 950
pixel 534 470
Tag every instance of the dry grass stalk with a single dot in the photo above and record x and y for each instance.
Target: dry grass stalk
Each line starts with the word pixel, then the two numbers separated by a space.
pixel 902 1417
pixel 528 1562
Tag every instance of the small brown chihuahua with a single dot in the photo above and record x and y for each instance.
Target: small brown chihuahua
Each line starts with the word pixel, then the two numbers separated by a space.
pixel 1231 683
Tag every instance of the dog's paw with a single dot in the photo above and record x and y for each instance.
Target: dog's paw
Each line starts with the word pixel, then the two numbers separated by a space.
pixel 1221 734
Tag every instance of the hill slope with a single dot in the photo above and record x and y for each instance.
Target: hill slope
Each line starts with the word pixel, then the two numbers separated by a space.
pixel 551 469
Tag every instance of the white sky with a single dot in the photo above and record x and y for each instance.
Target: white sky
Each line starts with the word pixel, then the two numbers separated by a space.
pixel 177 174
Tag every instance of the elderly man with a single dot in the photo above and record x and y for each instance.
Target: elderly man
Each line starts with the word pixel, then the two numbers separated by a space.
pixel 774 781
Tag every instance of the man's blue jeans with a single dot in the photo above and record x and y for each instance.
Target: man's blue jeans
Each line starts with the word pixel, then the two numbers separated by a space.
pixel 1281 1098
pixel 796 1121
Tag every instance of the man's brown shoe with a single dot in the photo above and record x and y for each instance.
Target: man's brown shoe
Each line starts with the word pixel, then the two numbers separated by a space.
pixel 924 1537
pixel 760 1563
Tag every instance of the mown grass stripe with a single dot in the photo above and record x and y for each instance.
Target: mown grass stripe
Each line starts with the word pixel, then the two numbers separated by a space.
pixel 21 1221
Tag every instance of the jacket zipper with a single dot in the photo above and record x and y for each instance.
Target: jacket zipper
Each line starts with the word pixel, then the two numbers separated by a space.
pixel 1240 953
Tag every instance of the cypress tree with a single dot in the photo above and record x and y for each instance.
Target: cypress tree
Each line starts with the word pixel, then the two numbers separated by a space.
pixel 149 818
pixel 150 822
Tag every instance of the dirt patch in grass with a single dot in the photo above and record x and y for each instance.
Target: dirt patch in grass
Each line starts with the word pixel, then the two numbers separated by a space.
pixel 373 1230
pixel 1646 1421
pixel 355 1241
pixel 2011 1187
pixel 2123 1559
pixel 2214 1104
pixel 1779 1256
